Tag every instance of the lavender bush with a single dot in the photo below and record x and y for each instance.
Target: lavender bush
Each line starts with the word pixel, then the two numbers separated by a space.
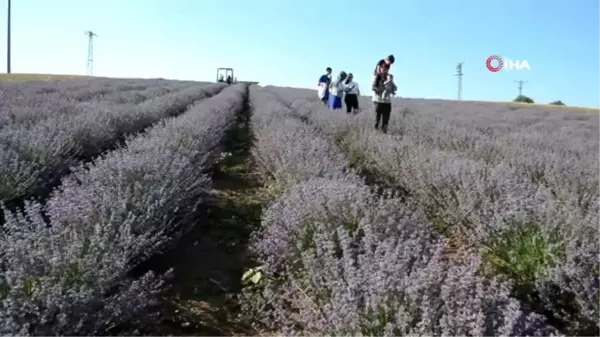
pixel 69 275
pixel 33 158
pixel 464 220
pixel 23 104
pixel 286 150
pixel 530 208
pixel 338 259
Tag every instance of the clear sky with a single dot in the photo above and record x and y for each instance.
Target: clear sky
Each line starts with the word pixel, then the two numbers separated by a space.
pixel 290 42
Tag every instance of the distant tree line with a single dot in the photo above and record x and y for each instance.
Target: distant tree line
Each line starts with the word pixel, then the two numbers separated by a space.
pixel 526 99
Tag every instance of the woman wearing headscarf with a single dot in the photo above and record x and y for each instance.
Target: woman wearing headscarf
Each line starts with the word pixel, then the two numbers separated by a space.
pixel 352 92
pixel 336 91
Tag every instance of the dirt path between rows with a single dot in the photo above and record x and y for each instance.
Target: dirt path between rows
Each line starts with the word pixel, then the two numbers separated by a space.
pixel 210 261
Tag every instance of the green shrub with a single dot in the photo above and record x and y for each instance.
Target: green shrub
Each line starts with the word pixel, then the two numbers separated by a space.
pixel 523 99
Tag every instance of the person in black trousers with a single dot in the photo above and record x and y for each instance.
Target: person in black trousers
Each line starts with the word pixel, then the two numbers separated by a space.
pixel 383 91
pixel 383 112
pixel 352 92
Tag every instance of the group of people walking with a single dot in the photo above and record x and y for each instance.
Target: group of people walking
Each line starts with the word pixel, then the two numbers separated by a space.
pixel 343 88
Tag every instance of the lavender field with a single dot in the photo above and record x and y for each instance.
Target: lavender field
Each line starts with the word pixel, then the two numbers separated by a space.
pixel 154 207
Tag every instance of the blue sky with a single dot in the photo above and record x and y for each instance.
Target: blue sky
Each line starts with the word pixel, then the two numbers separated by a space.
pixel 290 42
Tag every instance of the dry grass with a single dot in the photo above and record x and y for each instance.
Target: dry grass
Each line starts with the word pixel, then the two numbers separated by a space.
pixel 37 77
pixel 552 106
pixel 561 107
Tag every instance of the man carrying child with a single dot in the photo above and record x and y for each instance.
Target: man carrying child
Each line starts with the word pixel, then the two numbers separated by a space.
pixel 384 89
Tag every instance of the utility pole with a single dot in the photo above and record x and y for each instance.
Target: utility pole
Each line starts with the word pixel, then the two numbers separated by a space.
pixel 8 40
pixel 521 86
pixel 90 58
pixel 460 74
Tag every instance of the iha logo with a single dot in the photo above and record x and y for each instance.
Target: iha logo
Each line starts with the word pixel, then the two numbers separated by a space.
pixel 496 63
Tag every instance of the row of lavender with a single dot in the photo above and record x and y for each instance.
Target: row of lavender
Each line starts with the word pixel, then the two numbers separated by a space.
pixel 29 102
pixel 339 259
pixel 70 275
pixel 34 157
pixel 554 147
pixel 538 234
pixel 77 87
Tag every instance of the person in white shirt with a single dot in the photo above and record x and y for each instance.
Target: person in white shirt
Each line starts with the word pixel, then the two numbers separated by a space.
pixel 336 91
pixel 352 92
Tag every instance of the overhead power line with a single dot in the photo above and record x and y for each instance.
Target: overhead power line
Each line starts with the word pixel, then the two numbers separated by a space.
pixel 521 87
pixel 460 74
pixel 8 39
pixel 90 58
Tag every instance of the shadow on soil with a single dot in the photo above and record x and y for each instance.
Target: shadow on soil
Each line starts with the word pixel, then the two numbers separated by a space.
pixel 211 259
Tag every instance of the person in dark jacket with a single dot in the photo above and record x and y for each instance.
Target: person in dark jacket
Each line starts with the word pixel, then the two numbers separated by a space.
pixel 389 60
pixel 387 63
pixel 323 86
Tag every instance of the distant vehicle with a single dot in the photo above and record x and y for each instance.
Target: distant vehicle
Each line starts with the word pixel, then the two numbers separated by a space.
pixel 226 75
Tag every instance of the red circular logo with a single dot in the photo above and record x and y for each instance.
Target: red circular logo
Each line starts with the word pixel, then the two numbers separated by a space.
pixel 488 63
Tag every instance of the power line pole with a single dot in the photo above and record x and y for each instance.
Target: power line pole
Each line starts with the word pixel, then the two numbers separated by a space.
pixel 8 40
pixel 521 86
pixel 460 74
pixel 90 58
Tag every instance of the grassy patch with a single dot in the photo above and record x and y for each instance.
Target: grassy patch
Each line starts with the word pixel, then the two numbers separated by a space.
pixel 522 253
